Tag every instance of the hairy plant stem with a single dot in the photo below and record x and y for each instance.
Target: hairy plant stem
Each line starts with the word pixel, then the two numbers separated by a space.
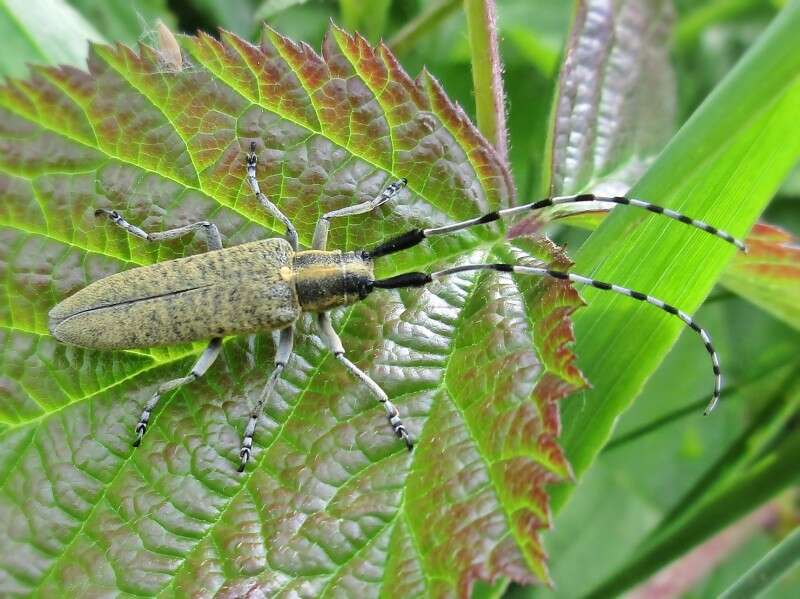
pixel 487 73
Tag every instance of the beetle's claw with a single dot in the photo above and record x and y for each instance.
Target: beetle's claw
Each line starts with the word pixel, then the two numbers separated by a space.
pixel 252 157
pixel 245 455
pixel 140 428
pixel 403 434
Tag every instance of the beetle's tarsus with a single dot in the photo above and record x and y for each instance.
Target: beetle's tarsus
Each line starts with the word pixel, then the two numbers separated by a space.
pixel 403 434
pixel 252 157
pixel 140 429
pixel 244 454
pixel 111 214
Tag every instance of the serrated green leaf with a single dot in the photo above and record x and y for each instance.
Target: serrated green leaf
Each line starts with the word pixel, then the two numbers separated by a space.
pixel 333 504
pixel 769 274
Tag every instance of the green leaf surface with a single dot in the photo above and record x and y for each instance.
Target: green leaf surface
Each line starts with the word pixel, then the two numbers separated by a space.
pixel 48 31
pixel 332 503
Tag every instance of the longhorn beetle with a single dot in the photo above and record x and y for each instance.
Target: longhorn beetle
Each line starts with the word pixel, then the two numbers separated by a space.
pixel 266 285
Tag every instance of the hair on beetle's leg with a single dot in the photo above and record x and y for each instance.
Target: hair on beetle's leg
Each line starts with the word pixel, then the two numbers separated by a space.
pixel 282 353
pixel 320 239
pixel 334 343
pixel 420 279
pixel 252 160
pixel 209 230
pixel 200 367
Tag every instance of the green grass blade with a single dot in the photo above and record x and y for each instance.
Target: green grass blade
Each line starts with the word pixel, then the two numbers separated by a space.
pixel 766 479
pixel 762 575
pixel 765 429
pixel 723 166
pixel 760 376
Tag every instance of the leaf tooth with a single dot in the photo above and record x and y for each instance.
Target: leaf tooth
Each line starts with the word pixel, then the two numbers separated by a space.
pixel 305 62
pixel 334 58
pixel 497 182
pixel 234 42
pixel 148 58
pixel 509 561
pixel 399 74
pixel 367 62
pixel 536 556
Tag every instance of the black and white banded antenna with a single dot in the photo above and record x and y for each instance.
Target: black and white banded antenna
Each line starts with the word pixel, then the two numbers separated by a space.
pixel 418 279
pixel 415 236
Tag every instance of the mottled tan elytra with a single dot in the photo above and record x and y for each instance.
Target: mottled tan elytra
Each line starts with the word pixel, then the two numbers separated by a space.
pixel 265 285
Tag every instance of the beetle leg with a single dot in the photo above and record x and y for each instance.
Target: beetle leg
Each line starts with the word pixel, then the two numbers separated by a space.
pixel 334 343
pixel 200 367
pixel 209 230
pixel 282 354
pixel 324 223
pixel 252 159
